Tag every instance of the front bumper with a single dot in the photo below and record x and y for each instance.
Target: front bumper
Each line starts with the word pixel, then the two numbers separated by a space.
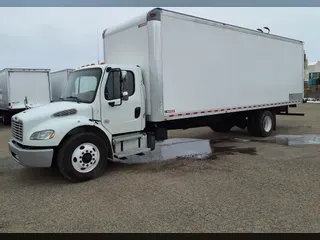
pixel 41 158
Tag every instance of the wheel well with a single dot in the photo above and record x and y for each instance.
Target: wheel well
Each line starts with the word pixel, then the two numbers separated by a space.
pixel 91 129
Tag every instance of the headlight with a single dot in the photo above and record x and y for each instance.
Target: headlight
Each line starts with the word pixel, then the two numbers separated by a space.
pixel 42 135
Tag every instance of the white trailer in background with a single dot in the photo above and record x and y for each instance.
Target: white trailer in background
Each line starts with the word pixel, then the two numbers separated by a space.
pixel 21 88
pixel 58 81
pixel 163 70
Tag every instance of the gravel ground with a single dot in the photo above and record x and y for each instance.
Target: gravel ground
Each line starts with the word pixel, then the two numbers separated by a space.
pixel 244 186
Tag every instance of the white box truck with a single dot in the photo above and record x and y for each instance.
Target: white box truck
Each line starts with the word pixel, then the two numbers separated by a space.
pixel 163 70
pixel 21 88
pixel 58 81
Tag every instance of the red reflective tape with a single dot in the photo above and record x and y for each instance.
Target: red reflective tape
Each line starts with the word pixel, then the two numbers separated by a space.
pixel 235 108
pixel 142 25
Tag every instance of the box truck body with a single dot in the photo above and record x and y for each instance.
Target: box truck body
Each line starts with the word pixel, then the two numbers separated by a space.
pixel 193 65
pixel 20 87
pixel 58 81
pixel 162 71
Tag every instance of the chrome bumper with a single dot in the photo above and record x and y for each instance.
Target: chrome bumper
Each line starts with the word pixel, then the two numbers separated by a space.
pixel 41 158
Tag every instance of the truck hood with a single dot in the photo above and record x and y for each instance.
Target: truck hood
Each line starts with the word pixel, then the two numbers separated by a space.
pixel 42 113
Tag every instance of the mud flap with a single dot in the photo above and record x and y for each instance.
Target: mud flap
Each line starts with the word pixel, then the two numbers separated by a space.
pixel 274 121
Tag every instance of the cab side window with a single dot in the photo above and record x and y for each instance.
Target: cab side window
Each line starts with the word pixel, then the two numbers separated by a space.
pixel 112 90
pixel 130 84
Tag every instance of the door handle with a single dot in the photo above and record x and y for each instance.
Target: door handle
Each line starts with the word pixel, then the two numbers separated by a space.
pixel 137 112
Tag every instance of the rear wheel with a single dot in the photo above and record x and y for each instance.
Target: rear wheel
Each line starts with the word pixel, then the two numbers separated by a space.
pixel 261 124
pixel 6 120
pixel 82 157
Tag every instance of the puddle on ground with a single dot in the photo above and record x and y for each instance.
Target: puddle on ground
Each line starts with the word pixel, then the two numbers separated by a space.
pixel 287 140
pixel 299 139
pixel 179 148
pixel 182 148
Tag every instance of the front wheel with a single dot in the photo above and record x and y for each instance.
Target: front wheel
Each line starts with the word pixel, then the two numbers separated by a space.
pixel 82 157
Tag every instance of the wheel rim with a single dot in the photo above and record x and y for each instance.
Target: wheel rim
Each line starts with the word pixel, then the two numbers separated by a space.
pixel 85 157
pixel 267 124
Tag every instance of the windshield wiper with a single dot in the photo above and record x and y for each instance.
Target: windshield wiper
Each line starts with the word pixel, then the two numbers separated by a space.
pixel 73 97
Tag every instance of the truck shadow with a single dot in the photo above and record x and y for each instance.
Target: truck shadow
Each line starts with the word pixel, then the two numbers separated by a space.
pixel 41 176
pixel 176 153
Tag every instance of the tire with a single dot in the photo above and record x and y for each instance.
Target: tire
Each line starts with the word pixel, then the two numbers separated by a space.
pixel 261 124
pixel 251 126
pixel 82 157
pixel 221 127
pixel 6 120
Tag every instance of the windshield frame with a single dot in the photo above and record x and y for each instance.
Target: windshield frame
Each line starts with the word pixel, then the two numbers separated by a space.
pixel 79 100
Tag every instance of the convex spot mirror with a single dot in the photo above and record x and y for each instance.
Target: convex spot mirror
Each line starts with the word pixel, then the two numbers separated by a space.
pixel 124 93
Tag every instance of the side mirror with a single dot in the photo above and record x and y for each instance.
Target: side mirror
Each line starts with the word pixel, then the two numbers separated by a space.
pixel 125 96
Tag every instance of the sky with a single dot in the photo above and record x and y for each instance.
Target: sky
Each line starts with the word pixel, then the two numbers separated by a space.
pixel 59 38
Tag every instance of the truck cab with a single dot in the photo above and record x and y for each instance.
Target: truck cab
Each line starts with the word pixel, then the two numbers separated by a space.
pixel 101 115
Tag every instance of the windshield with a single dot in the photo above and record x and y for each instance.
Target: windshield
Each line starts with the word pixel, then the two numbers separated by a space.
pixel 82 85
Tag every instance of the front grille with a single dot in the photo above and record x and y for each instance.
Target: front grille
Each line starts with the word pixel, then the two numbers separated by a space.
pixel 17 129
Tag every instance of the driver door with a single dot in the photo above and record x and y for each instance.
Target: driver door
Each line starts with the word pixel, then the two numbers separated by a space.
pixel 118 115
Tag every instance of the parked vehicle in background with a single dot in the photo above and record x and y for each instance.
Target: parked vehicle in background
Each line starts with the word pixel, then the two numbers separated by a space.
pixel 163 70
pixel 21 88
pixel 58 81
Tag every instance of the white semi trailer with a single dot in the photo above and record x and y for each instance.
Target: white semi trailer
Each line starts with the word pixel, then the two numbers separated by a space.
pixel 58 81
pixel 21 88
pixel 163 70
